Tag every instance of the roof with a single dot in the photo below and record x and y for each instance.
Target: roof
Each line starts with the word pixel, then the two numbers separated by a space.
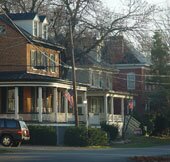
pixel 42 17
pixel 22 16
pixel 89 62
pixel 23 76
pixel 30 38
pixel 138 55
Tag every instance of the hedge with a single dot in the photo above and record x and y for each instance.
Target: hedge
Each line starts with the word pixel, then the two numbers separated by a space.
pixel 42 135
pixel 111 130
pixel 81 136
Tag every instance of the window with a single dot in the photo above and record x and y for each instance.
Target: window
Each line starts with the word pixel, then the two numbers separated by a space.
pixel 33 58
pixel 45 32
pixel 38 60
pixel 44 61
pixel 1 123
pixel 92 79
pixel 52 63
pixel 11 100
pixel 96 105
pixel 2 29
pixel 12 124
pixel 35 28
pixel 131 81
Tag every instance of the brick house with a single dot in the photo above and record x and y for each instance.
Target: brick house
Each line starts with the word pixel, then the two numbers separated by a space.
pixel 30 83
pixel 132 66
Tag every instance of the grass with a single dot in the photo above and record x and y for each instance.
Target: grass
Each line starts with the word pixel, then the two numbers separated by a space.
pixel 143 141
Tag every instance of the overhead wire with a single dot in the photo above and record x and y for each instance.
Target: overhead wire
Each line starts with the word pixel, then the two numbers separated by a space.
pixel 63 63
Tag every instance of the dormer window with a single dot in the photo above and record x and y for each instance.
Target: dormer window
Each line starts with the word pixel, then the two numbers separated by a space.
pixel 35 28
pixel 45 32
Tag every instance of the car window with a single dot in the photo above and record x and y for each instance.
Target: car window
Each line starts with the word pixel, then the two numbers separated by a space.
pixel 1 123
pixel 12 124
pixel 23 125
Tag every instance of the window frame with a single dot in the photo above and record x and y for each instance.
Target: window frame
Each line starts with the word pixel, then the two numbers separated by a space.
pixel 131 81
pixel 52 63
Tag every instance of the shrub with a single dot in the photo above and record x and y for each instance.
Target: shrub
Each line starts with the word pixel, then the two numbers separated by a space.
pixel 81 136
pixel 76 136
pixel 97 137
pixel 42 135
pixel 111 130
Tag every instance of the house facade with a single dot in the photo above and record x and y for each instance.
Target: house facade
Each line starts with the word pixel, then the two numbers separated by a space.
pixel 104 104
pixel 30 83
pixel 132 66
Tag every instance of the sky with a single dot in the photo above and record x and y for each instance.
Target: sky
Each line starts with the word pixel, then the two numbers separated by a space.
pixel 111 3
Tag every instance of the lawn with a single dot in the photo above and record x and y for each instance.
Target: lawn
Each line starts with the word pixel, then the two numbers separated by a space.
pixel 143 141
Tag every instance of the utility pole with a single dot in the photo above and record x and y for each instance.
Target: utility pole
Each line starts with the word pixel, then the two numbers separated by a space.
pixel 73 74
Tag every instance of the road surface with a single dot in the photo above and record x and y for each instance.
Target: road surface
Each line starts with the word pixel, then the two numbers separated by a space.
pixel 74 154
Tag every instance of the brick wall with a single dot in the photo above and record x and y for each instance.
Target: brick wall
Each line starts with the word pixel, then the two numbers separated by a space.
pixel 12 50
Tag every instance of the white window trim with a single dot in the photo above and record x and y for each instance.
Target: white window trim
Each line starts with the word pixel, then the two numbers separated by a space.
pixel 38 31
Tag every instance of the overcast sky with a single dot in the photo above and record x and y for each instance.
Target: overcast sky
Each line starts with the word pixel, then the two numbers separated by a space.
pixel 114 3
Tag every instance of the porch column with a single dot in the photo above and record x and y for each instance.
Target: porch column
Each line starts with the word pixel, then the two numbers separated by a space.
pixel 106 108
pixel 85 109
pixel 66 108
pixel 122 108
pixel 16 103
pixel 112 108
pixel 40 104
pixel 55 103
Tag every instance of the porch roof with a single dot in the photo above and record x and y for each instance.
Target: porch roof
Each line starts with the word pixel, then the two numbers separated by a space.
pixel 23 78
pixel 102 92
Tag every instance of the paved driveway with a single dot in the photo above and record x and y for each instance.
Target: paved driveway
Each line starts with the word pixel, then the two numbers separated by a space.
pixel 73 154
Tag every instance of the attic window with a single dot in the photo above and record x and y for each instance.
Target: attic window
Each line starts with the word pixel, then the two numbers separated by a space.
pixel 2 29
pixel 35 28
pixel 45 31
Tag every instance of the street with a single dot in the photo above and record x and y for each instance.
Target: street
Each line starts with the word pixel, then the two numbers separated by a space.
pixel 73 154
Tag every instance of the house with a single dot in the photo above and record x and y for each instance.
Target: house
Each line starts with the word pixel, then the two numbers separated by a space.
pixel 133 67
pixel 31 87
pixel 104 103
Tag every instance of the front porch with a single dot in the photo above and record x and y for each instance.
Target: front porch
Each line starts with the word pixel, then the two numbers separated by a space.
pixel 107 106
pixel 40 102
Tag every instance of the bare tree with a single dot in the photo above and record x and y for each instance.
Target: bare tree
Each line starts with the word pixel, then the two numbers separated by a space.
pixel 92 18
pixel 24 5
pixel 88 18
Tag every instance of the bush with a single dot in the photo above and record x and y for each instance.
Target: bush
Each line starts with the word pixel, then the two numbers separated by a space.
pixel 111 130
pixel 42 135
pixel 160 125
pixel 97 137
pixel 81 136
pixel 76 136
